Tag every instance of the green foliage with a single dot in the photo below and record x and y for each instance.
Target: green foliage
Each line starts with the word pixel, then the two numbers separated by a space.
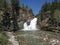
pixel 54 6
pixel 6 19
pixel 46 7
pixel 15 23
pixel 49 7
pixel 31 12
pixel 2 3
pixel 26 7
pixel 2 28
pixel 5 5
pixel 57 15
pixel 15 9
pixel 3 39
pixel 15 4
pixel 23 6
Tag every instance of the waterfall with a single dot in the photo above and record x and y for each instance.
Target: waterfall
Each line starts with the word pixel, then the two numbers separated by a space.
pixel 32 26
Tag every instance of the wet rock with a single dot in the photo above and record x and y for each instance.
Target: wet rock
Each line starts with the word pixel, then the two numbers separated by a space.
pixel 54 42
pixel 45 38
pixel 21 24
pixel 12 38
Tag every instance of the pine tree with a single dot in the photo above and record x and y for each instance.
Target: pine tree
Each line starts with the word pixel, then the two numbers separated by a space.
pixel 46 7
pixel 23 7
pixel 6 17
pixel 26 7
pixel 15 6
pixel 15 9
pixel 54 6
pixel 31 12
pixel 1 4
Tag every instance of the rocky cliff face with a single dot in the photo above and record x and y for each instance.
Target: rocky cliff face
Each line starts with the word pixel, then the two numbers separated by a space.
pixel 24 15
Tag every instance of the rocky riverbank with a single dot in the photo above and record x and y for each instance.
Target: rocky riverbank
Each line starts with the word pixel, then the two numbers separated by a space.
pixel 38 38
pixel 11 39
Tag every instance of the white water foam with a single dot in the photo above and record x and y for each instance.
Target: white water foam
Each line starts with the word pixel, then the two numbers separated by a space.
pixel 32 25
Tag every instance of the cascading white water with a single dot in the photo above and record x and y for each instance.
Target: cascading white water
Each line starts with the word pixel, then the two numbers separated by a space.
pixel 32 25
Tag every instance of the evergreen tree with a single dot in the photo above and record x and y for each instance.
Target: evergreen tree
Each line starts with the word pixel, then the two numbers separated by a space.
pixel 23 7
pixel 15 9
pixel 6 20
pixel 54 6
pixel 5 6
pixel 26 7
pixel 31 12
pixel 46 7
pixel 1 4
pixel 58 4
pixel 15 6
pixel 6 17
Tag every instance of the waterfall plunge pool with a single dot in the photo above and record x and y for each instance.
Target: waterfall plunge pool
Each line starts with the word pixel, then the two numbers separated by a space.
pixel 37 37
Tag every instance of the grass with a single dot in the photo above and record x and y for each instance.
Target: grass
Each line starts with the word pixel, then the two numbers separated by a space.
pixel 3 39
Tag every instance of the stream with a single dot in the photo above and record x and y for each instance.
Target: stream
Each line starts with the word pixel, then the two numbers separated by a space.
pixel 38 37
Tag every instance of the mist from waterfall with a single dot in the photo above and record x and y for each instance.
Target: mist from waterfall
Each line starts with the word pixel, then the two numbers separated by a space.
pixel 32 26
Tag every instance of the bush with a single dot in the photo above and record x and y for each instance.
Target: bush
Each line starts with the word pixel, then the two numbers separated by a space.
pixel 3 39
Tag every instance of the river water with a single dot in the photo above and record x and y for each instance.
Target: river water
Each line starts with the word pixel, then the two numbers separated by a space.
pixel 38 37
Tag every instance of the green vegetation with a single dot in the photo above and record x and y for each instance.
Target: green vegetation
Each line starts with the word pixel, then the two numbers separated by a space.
pixel 8 15
pixel 11 12
pixel 51 11
pixel 3 39
pixel 36 37
pixel 55 5
pixel 57 15
pixel 15 11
